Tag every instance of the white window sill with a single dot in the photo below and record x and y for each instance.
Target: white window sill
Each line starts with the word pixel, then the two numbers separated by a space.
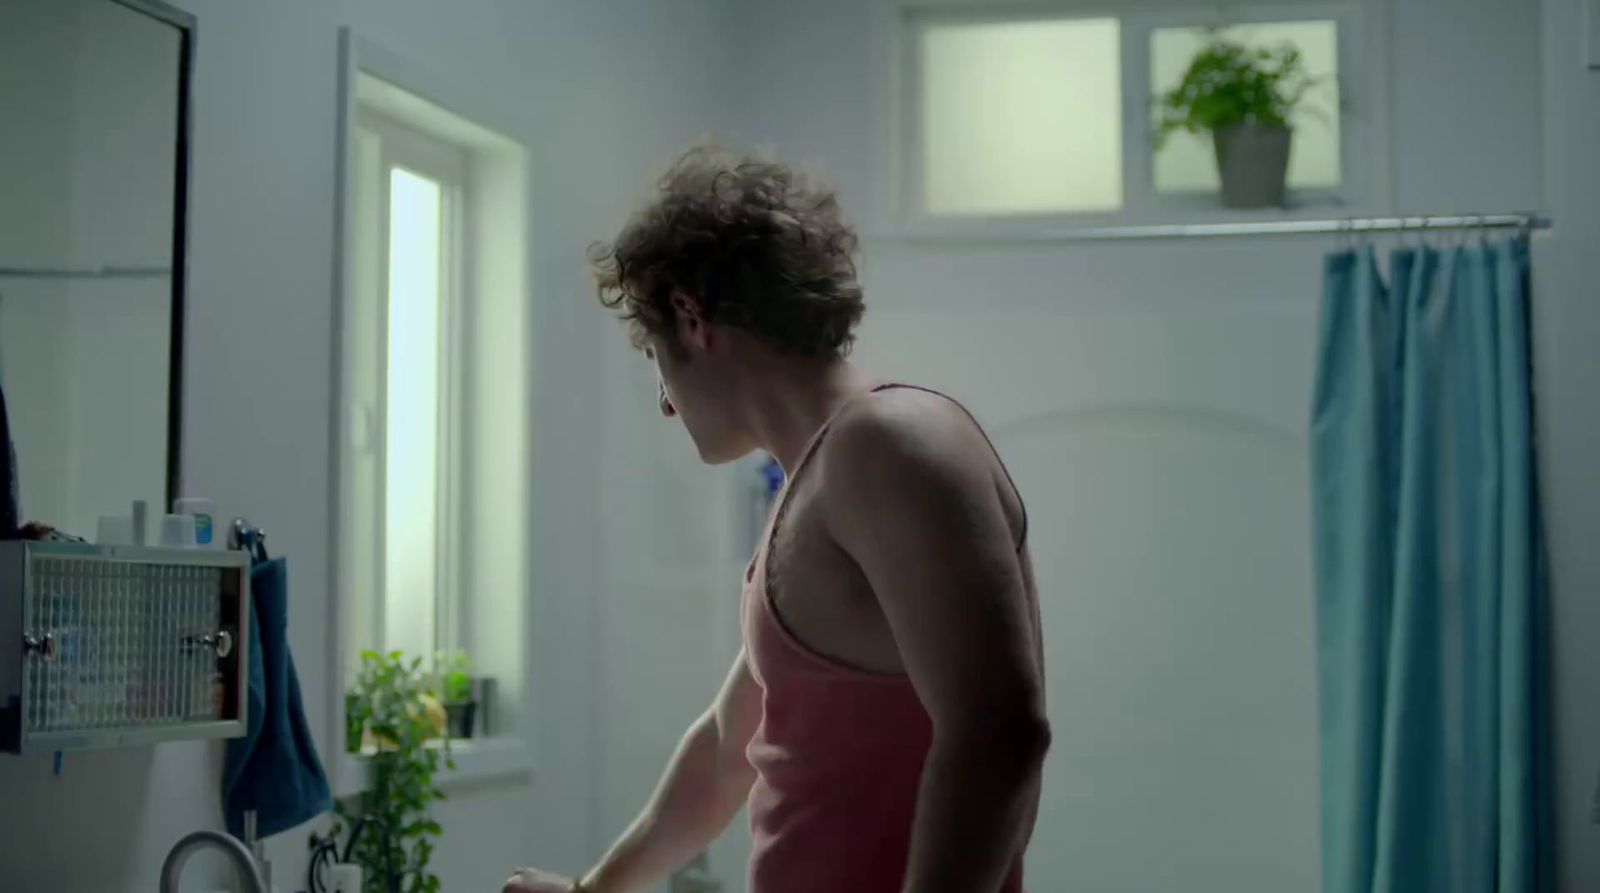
pixel 477 760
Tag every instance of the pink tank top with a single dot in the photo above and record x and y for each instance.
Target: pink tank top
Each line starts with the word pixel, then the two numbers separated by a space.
pixel 839 754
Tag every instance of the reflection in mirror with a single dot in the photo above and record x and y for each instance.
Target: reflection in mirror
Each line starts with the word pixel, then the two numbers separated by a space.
pixel 91 168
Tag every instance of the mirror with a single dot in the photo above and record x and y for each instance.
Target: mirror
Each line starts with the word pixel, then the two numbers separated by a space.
pixel 93 167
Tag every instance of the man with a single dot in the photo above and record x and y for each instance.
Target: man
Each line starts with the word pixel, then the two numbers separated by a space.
pixel 885 720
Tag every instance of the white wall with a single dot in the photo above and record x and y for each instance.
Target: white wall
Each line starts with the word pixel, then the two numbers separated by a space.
pixel 1158 436
pixel 609 89
pixel 1566 317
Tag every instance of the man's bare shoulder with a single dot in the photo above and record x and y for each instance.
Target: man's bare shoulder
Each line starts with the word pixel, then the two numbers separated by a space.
pixel 902 439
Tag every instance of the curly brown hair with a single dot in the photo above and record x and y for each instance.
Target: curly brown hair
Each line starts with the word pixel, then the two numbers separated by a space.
pixel 762 247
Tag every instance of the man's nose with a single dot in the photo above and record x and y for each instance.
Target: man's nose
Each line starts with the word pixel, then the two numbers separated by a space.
pixel 667 409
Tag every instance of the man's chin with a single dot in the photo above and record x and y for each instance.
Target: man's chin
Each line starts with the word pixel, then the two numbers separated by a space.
pixel 720 455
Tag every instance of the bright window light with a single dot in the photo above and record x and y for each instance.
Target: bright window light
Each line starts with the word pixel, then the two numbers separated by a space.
pixel 1021 117
pixel 411 488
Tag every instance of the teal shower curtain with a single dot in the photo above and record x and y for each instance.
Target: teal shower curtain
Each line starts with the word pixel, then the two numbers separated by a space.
pixel 1430 582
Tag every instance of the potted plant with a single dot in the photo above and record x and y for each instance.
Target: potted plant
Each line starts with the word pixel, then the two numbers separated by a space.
pixel 390 824
pixel 456 691
pixel 1243 98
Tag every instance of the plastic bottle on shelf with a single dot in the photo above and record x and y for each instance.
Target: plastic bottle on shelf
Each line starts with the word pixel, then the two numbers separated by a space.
pixel 204 513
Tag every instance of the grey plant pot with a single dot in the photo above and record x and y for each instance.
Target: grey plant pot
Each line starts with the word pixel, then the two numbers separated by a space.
pixel 1253 160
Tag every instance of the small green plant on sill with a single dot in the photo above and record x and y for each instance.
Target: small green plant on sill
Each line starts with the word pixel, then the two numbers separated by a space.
pixel 1228 83
pixel 391 820
pixel 455 677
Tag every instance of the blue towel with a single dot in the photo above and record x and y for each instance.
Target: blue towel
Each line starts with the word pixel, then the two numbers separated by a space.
pixel 274 768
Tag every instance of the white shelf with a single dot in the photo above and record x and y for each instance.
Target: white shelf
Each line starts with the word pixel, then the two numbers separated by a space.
pixel 477 760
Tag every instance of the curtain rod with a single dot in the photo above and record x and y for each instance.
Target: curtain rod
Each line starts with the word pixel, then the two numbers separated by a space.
pixel 1331 226
pixel 83 272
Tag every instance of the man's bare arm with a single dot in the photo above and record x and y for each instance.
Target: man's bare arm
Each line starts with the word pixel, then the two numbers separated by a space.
pixel 704 787
pixel 911 495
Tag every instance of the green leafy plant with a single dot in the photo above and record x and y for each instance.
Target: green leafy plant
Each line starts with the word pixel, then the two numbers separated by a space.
pixel 391 822
pixel 1228 83
pixel 455 677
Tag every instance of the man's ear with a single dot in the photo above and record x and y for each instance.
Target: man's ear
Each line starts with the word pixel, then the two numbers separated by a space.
pixel 690 315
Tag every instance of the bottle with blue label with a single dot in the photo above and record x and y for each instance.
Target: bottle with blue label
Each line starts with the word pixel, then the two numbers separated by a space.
pixel 759 490
pixel 204 513
pixel 772 478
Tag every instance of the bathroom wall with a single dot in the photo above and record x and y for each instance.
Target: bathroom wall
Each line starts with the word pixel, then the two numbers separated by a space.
pixel 1566 317
pixel 607 90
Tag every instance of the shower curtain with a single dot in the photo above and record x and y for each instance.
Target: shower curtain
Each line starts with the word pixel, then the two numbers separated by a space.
pixel 1430 581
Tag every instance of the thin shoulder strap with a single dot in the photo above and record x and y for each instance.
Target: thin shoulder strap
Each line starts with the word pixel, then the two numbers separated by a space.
pixel 775 517
pixel 816 440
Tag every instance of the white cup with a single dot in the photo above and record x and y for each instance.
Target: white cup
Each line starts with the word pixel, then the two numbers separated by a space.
pixel 344 878
pixel 177 532
pixel 114 530
pixel 141 514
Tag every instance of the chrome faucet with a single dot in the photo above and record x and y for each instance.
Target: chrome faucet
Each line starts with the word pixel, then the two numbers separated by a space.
pixel 236 852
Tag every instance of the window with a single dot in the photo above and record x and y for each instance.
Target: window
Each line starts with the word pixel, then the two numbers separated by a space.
pixel 411 186
pixel 434 395
pixel 1044 115
pixel 1022 117
pixel 1186 163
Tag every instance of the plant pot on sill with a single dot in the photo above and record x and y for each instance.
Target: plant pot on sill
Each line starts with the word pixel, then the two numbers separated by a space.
pixel 353 727
pixel 1253 160
pixel 460 719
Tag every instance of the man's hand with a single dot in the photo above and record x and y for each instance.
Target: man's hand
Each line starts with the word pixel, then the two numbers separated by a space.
pixel 532 880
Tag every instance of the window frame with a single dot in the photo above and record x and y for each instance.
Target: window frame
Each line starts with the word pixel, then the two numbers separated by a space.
pixel 495 391
pixel 1364 114
pixel 1184 207
pixel 403 147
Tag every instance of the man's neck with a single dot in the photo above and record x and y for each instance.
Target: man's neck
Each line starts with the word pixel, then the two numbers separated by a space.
pixel 794 397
